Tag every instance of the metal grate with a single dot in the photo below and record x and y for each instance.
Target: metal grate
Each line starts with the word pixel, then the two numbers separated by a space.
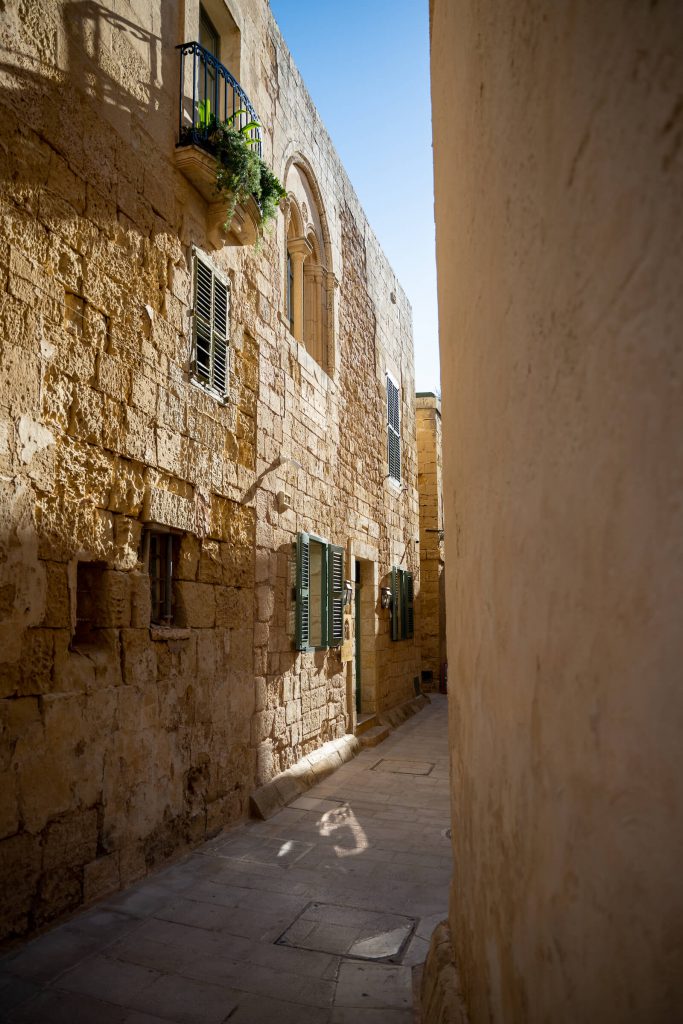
pixel 209 93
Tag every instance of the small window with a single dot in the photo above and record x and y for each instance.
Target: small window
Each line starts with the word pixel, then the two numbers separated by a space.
pixel 209 361
pixel 89 587
pixel 319 593
pixel 162 560
pixel 393 430
pixel 402 604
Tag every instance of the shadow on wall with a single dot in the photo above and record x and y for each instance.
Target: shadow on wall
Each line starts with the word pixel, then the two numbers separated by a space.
pixel 111 759
pixel 58 85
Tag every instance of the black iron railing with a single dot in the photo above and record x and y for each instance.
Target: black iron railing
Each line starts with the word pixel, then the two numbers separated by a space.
pixel 209 93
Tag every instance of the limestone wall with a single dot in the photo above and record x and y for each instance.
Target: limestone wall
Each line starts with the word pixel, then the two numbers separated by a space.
pixel 559 226
pixel 123 746
pixel 431 610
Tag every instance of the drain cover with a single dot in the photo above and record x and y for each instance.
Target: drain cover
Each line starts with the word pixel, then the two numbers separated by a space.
pixel 403 767
pixel 348 931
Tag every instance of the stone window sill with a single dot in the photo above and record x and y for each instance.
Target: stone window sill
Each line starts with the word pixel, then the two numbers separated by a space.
pixel 169 633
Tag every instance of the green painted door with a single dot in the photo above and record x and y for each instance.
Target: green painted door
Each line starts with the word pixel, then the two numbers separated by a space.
pixel 357 635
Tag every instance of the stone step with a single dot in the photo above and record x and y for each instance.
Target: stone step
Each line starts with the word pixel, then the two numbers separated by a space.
pixel 365 722
pixel 371 737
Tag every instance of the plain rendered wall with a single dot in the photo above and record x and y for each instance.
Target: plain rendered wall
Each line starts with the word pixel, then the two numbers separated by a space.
pixel 558 135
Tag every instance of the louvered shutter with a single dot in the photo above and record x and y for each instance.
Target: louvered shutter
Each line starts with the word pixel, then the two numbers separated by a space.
pixel 302 591
pixel 408 606
pixel 219 369
pixel 210 327
pixel 395 604
pixel 393 430
pixel 203 315
pixel 335 575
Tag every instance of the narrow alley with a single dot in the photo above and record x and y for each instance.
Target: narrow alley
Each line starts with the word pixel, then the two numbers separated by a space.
pixel 317 915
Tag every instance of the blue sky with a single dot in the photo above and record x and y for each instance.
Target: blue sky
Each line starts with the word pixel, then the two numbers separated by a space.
pixel 366 66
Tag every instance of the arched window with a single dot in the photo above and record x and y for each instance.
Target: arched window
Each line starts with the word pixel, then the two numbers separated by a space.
pixel 307 281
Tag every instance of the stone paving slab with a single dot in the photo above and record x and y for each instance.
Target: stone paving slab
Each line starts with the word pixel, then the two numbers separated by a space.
pixel 200 941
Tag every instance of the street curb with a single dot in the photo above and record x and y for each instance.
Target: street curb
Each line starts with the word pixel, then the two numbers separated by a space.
pixel 293 783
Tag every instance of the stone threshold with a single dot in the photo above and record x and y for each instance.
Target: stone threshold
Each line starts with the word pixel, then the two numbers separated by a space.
pixel 316 766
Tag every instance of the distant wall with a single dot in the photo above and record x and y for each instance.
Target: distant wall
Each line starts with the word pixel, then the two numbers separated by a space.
pixel 558 141
pixel 430 604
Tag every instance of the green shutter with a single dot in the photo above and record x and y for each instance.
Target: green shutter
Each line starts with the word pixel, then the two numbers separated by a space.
pixel 335 608
pixel 302 592
pixel 409 615
pixel 395 604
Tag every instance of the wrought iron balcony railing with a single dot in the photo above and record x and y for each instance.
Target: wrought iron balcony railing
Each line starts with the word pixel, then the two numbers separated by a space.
pixel 209 93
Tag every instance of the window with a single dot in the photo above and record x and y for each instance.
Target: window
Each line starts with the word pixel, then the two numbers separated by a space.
pixel 209 363
pixel 319 593
pixel 162 559
pixel 393 429
pixel 208 36
pixel 89 590
pixel 308 282
pixel 210 40
pixel 290 280
pixel 402 612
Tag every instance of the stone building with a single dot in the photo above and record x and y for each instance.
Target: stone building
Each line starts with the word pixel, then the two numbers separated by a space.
pixel 431 604
pixel 206 441
pixel 558 163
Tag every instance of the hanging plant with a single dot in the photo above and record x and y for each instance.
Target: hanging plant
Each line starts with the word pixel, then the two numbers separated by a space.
pixel 240 172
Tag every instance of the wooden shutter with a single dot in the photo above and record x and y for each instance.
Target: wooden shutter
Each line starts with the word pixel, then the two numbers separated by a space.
pixel 210 326
pixel 335 575
pixel 202 320
pixel 302 591
pixel 395 605
pixel 219 368
pixel 393 430
pixel 408 605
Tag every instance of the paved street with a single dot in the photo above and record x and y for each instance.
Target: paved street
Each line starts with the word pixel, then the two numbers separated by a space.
pixel 317 915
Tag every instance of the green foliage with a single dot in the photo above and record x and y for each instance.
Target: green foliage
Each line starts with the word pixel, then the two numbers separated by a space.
pixel 240 172
pixel 204 111
pixel 271 192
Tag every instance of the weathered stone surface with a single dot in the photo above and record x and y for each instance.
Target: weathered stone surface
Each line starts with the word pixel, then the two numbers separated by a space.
pixel 105 438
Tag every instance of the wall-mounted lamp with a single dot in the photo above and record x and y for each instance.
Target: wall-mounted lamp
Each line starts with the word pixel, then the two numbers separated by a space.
pixel 386 597
pixel 348 592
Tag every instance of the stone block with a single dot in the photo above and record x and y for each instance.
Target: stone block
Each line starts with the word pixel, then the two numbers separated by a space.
pixel 265 598
pixel 196 604
pixel 188 559
pixel 101 877
pixel 37 659
pixel 57 602
pixel 266 801
pixel 261 693
pixel 127 543
pixel 86 420
pixel 261 726
pixel 168 509
pixel 140 600
pixel 132 864
pixel 70 841
pixel 114 600
pixel 9 807
pixel 128 488
pixel 19 870
pixel 210 563
pixel 139 658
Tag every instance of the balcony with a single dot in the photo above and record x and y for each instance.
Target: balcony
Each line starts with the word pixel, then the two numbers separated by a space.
pixel 209 93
